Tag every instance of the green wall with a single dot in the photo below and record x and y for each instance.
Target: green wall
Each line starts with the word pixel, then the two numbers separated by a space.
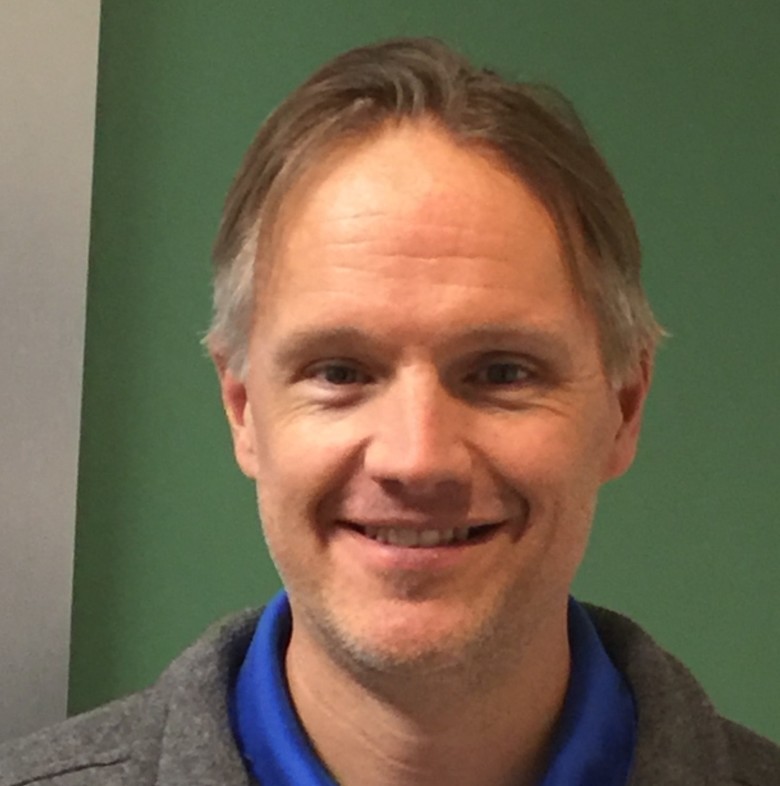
pixel 683 98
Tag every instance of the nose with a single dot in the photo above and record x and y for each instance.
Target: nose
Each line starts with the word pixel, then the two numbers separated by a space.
pixel 418 442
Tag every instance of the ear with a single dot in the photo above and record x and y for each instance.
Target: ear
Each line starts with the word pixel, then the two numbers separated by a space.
pixel 631 396
pixel 239 416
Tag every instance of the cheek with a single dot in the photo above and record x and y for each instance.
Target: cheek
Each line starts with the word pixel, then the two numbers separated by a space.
pixel 557 469
pixel 301 465
pixel 554 459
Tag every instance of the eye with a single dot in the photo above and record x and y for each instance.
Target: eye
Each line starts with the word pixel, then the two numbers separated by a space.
pixel 500 373
pixel 339 374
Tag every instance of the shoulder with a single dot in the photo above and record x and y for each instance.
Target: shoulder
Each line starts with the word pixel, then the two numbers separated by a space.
pixel 756 759
pixel 100 745
pixel 682 739
pixel 184 715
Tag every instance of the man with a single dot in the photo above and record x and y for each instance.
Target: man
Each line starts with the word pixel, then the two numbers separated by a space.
pixel 433 348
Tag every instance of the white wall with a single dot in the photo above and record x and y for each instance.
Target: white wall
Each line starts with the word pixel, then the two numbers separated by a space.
pixel 48 69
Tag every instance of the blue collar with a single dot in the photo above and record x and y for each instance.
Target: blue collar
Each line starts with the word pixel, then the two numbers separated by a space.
pixel 594 744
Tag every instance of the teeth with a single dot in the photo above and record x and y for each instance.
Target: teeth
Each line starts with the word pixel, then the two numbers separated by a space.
pixel 432 537
pixel 416 538
pixel 461 534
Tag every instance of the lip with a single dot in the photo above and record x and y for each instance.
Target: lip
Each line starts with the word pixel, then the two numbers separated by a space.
pixel 387 556
pixel 418 523
pixel 459 532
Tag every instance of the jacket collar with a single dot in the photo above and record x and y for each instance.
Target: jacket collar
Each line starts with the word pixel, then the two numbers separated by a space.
pixel 197 744
pixel 681 740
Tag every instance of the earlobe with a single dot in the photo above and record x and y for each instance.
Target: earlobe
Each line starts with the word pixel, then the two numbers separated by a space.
pixel 631 397
pixel 239 416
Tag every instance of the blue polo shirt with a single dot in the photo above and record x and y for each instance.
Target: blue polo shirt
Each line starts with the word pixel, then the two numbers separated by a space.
pixel 594 743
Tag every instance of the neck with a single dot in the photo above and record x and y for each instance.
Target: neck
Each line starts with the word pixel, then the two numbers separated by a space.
pixel 491 728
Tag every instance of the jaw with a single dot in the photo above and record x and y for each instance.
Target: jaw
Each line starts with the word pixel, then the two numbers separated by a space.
pixel 426 660
pixel 430 710
pixel 460 611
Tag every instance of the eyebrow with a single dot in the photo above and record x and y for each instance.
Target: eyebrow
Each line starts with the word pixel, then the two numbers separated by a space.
pixel 546 340
pixel 548 337
pixel 306 341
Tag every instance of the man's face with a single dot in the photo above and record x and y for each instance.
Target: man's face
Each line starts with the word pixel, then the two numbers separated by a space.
pixel 425 413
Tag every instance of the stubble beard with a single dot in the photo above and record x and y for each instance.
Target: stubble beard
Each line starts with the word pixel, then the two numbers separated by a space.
pixel 457 663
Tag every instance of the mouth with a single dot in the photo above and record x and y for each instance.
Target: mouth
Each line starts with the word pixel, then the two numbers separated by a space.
pixel 420 538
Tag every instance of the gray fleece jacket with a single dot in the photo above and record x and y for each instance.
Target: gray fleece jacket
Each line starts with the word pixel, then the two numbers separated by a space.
pixel 177 733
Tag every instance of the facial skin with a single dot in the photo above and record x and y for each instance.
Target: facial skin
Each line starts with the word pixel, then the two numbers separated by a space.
pixel 420 360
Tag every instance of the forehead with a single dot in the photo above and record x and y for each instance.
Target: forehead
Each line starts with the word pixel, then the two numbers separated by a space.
pixel 412 240
pixel 412 190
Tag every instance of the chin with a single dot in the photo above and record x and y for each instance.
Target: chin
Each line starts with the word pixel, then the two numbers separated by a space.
pixel 410 639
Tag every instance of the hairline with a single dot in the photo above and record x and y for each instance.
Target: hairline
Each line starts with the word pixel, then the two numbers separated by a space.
pixel 261 239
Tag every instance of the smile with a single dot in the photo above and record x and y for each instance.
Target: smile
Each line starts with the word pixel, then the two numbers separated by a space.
pixel 415 537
